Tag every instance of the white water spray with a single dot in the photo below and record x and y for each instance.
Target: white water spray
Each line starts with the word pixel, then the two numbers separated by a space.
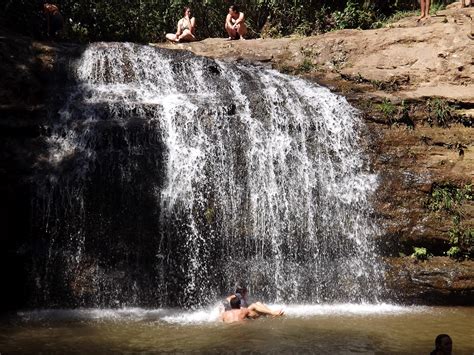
pixel 256 177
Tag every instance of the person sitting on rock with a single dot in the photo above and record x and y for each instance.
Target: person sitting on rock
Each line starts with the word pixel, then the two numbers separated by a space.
pixel 185 29
pixel 54 20
pixel 235 23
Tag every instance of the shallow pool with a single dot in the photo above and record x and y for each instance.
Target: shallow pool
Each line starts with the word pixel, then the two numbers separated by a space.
pixel 322 329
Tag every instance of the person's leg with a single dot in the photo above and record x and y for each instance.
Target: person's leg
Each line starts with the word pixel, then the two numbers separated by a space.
pixel 422 6
pixel 242 30
pixel 231 31
pixel 171 37
pixel 186 36
pixel 427 9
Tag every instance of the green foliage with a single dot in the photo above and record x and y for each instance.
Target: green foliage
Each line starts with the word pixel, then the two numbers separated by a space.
pixel 387 108
pixel 449 197
pixel 150 20
pixel 420 253
pixel 306 66
pixel 397 16
pixel 353 16
pixel 439 112
pixel 454 252
pixel 462 241
pixel 437 6
pixel 323 20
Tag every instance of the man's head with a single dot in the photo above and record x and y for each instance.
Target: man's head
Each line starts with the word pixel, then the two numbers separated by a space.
pixel 235 303
pixel 47 7
pixel 444 344
pixel 234 9
pixel 241 290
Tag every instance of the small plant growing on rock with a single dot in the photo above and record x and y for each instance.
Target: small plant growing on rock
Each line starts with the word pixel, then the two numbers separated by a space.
pixel 387 108
pixel 420 253
pixel 448 197
pixel 306 66
pixel 439 112
pixel 462 242
pixel 454 252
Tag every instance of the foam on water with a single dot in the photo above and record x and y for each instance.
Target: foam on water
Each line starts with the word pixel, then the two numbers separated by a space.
pixel 210 314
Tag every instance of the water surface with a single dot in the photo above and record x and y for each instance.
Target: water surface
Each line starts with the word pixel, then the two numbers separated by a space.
pixel 323 329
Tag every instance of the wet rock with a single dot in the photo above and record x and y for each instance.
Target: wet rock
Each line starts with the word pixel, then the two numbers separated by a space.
pixel 439 280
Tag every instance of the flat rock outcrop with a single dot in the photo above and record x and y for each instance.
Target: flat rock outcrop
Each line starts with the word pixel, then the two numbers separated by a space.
pixel 415 59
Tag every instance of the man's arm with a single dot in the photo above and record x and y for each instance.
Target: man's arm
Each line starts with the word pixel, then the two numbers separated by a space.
pixel 228 21
pixel 230 297
pixel 178 29
pixel 240 19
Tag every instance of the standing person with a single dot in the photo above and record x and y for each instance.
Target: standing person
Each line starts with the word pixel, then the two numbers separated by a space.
pixel 425 9
pixel 54 20
pixel 235 23
pixel 443 345
pixel 463 3
pixel 185 29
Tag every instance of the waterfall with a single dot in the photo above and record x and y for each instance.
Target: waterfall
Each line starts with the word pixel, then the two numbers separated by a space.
pixel 171 177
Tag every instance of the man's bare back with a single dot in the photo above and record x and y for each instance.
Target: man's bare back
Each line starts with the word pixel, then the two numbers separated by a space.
pixel 235 315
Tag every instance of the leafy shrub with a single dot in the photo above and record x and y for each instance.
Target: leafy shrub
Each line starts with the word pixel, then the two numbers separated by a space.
pixel 448 197
pixel 439 112
pixel 354 17
pixel 454 252
pixel 387 108
pixel 420 253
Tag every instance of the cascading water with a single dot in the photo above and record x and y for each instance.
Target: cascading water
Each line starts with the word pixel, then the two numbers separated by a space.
pixel 171 177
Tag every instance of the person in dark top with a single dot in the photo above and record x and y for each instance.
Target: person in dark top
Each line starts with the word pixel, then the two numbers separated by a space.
pixel 55 22
pixel 443 345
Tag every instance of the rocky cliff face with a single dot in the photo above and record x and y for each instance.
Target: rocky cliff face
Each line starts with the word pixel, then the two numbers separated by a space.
pixel 414 85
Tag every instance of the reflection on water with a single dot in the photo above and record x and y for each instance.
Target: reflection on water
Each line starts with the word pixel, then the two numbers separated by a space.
pixel 321 329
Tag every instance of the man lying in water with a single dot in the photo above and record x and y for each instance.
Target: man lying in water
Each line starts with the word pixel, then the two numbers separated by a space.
pixel 255 310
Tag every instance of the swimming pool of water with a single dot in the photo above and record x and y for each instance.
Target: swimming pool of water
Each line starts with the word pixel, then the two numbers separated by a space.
pixel 323 329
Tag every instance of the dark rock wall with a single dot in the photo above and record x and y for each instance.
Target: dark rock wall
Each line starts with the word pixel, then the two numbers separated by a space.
pixel 23 93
